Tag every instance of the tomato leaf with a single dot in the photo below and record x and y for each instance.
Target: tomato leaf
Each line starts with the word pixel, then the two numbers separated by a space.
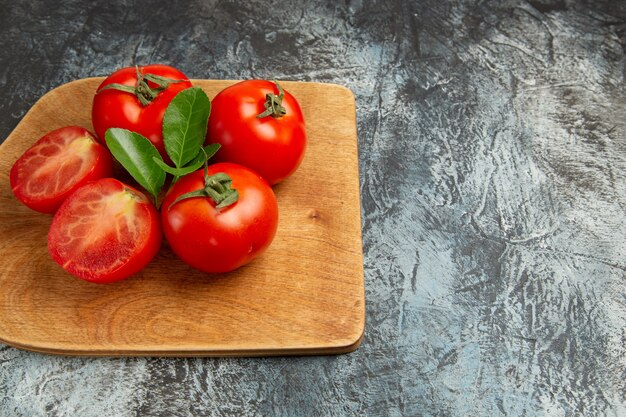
pixel 137 154
pixel 209 151
pixel 194 165
pixel 185 125
pixel 179 172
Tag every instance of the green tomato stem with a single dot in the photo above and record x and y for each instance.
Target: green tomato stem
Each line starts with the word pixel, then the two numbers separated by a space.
pixel 274 104
pixel 216 187
pixel 142 90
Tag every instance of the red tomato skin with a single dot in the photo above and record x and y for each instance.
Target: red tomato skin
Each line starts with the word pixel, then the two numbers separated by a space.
pixel 272 147
pixel 114 108
pixel 142 254
pixel 23 174
pixel 220 240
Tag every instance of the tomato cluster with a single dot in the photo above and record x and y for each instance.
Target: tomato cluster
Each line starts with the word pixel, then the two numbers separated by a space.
pixel 216 218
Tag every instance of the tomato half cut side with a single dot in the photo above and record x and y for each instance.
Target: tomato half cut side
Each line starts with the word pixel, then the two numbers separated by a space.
pixel 104 232
pixel 56 165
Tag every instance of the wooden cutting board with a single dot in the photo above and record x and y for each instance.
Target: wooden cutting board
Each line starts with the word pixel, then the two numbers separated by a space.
pixel 305 295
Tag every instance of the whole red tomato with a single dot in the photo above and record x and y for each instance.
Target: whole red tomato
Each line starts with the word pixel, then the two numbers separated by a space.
pixel 259 126
pixel 135 98
pixel 214 239
pixel 104 232
pixel 56 165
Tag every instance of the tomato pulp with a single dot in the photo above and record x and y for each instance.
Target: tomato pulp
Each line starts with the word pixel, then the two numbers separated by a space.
pixel 56 165
pixel 104 232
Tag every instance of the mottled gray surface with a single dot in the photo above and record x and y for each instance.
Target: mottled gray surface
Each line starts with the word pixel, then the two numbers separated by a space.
pixel 492 142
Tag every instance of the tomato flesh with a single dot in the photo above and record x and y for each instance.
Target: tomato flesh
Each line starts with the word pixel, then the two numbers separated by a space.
pixel 105 231
pixel 56 165
pixel 220 240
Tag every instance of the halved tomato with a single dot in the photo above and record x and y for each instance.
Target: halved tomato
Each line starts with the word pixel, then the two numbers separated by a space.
pixel 56 165
pixel 104 232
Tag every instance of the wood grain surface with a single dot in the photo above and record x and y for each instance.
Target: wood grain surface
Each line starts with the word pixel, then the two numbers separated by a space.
pixel 305 295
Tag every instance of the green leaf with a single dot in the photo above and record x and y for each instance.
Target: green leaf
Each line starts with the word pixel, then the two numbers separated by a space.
pixel 136 154
pixel 179 172
pixel 194 165
pixel 185 125
pixel 209 151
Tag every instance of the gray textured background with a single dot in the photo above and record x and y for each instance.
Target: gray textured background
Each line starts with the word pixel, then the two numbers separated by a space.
pixel 492 142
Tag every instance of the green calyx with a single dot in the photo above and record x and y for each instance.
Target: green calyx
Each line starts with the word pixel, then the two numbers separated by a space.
pixel 217 187
pixel 142 90
pixel 274 104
